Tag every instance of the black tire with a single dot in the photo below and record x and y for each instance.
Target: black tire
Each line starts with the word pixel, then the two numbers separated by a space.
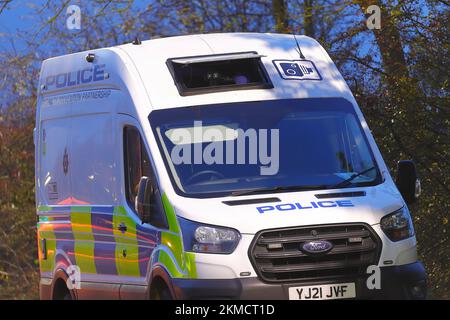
pixel 61 292
pixel 164 294
pixel 67 296
pixel 161 293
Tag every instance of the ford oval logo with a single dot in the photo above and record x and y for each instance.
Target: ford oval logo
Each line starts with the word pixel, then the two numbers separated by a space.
pixel 317 247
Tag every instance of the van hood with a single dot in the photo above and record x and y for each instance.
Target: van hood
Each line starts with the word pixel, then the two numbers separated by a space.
pixel 366 205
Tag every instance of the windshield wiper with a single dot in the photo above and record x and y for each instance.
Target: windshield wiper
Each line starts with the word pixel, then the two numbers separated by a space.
pixel 300 188
pixel 277 189
pixel 346 182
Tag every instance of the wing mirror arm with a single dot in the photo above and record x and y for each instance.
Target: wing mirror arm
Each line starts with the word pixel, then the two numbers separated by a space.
pixel 143 199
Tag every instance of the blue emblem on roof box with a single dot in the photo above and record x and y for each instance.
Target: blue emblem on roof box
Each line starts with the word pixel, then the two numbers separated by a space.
pixel 297 70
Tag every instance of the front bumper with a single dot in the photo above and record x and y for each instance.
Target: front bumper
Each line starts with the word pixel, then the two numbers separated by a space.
pixel 397 282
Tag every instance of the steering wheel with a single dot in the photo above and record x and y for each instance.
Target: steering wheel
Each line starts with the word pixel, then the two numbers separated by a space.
pixel 212 173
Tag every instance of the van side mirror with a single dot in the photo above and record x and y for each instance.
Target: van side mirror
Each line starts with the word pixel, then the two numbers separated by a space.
pixel 407 181
pixel 143 200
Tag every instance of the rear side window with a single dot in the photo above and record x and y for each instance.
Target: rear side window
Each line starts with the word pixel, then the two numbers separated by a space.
pixel 55 161
pixel 224 72
pixel 92 181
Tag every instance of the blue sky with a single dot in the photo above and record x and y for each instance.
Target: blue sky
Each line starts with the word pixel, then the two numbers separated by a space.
pixel 18 15
pixel 20 18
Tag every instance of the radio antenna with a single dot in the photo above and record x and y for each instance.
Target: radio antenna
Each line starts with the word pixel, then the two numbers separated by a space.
pixel 299 50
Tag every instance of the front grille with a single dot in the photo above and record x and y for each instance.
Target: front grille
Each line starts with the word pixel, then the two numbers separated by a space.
pixel 276 254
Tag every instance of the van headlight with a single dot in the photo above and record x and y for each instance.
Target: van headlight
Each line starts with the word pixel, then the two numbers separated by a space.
pixel 198 237
pixel 398 225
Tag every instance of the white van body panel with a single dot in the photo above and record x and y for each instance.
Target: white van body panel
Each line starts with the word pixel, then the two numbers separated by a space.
pixel 247 219
pixel 151 57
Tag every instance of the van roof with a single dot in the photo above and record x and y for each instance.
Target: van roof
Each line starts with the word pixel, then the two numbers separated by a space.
pixel 149 61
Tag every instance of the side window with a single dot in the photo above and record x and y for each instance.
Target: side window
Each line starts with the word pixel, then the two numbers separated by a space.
pixel 137 164
pixel 54 172
pixel 133 162
pixel 92 181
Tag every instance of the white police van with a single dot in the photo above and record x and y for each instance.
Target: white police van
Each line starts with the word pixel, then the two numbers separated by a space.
pixel 215 166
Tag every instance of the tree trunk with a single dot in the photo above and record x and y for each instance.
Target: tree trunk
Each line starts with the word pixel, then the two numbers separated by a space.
pixel 389 44
pixel 280 16
pixel 308 22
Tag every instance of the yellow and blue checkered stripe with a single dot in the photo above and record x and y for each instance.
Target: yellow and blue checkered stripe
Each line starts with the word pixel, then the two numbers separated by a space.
pixel 89 237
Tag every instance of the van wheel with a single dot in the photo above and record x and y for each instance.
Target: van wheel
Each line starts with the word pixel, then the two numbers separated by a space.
pixel 68 296
pixel 61 292
pixel 160 291
pixel 163 294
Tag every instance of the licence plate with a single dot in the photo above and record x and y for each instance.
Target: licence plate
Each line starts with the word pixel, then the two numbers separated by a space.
pixel 323 292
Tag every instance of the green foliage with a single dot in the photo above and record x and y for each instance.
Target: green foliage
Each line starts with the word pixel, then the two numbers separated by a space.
pixel 18 250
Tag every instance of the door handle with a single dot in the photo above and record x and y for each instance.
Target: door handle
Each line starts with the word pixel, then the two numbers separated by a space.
pixel 122 227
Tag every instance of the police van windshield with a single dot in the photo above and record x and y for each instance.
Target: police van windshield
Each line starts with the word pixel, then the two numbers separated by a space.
pixel 265 146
